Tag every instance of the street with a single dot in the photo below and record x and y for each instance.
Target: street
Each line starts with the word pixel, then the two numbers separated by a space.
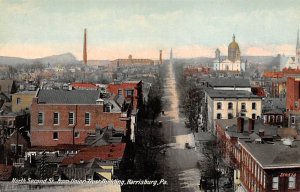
pixel 179 163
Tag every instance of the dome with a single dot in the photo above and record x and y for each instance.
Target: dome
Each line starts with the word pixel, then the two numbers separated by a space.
pixel 233 44
pixel 233 50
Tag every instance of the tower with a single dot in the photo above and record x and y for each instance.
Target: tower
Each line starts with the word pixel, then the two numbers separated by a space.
pixel 171 55
pixel 234 53
pixel 160 57
pixel 297 59
pixel 84 47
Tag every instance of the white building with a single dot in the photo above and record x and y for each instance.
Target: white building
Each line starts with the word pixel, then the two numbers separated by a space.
pixel 233 62
pixel 294 61
pixel 227 104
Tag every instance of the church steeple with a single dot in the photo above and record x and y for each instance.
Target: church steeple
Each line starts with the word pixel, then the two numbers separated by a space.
pixel 298 43
pixel 233 38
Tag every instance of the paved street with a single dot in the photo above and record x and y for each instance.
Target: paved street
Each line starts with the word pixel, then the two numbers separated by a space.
pixel 178 163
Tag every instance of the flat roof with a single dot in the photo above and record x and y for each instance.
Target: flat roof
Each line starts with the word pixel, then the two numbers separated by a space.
pixel 274 154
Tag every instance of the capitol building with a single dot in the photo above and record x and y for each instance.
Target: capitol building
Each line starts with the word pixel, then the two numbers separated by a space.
pixel 233 62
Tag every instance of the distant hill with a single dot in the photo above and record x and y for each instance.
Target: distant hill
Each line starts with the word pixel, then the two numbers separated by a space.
pixel 63 59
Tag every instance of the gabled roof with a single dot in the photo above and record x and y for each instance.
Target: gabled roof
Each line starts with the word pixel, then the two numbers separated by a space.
pixel 68 97
pixel 6 86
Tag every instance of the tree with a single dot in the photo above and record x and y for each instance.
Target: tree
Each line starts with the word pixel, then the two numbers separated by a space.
pixel 192 106
pixel 154 104
pixel 212 164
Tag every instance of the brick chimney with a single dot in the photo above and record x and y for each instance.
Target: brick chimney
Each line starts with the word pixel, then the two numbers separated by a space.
pixel 240 125
pixel 251 126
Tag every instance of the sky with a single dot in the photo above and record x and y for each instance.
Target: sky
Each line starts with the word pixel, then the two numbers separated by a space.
pixel 193 28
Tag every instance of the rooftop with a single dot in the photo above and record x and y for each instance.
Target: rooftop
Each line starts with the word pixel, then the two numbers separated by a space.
pixel 274 154
pixel 107 152
pixel 230 125
pixel 228 82
pixel 68 97
pixel 230 94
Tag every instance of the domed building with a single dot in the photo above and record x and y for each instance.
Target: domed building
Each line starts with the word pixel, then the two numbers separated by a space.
pixel 234 52
pixel 233 62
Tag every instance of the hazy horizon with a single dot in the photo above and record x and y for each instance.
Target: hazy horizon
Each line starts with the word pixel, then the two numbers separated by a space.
pixel 115 29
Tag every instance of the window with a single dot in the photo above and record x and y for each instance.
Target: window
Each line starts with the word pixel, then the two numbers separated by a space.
pixel 253 116
pixel 55 135
pixel 230 116
pixel 292 182
pixel 55 118
pixel 76 134
pixel 253 105
pixel 71 118
pixel 120 92
pixel 243 106
pixel 87 118
pixel 40 118
pixel 19 100
pixel 129 93
pixel 219 116
pixel 293 119
pixel 275 183
pixel 219 105
pixel 230 105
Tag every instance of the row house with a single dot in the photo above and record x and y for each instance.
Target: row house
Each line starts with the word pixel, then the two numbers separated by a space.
pixel 270 166
pixel 227 104
pixel 232 132
pixel 70 116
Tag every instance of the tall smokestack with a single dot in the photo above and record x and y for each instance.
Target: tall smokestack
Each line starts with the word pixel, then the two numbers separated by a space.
pixel 160 57
pixel 84 48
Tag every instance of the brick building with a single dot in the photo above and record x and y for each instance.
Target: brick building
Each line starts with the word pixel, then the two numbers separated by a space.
pixel 69 117
pixel 130 90
pixel 248 176
pixel 271 166
pixel 293 94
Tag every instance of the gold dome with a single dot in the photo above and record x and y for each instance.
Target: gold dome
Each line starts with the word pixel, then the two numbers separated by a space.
pixel 233 44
